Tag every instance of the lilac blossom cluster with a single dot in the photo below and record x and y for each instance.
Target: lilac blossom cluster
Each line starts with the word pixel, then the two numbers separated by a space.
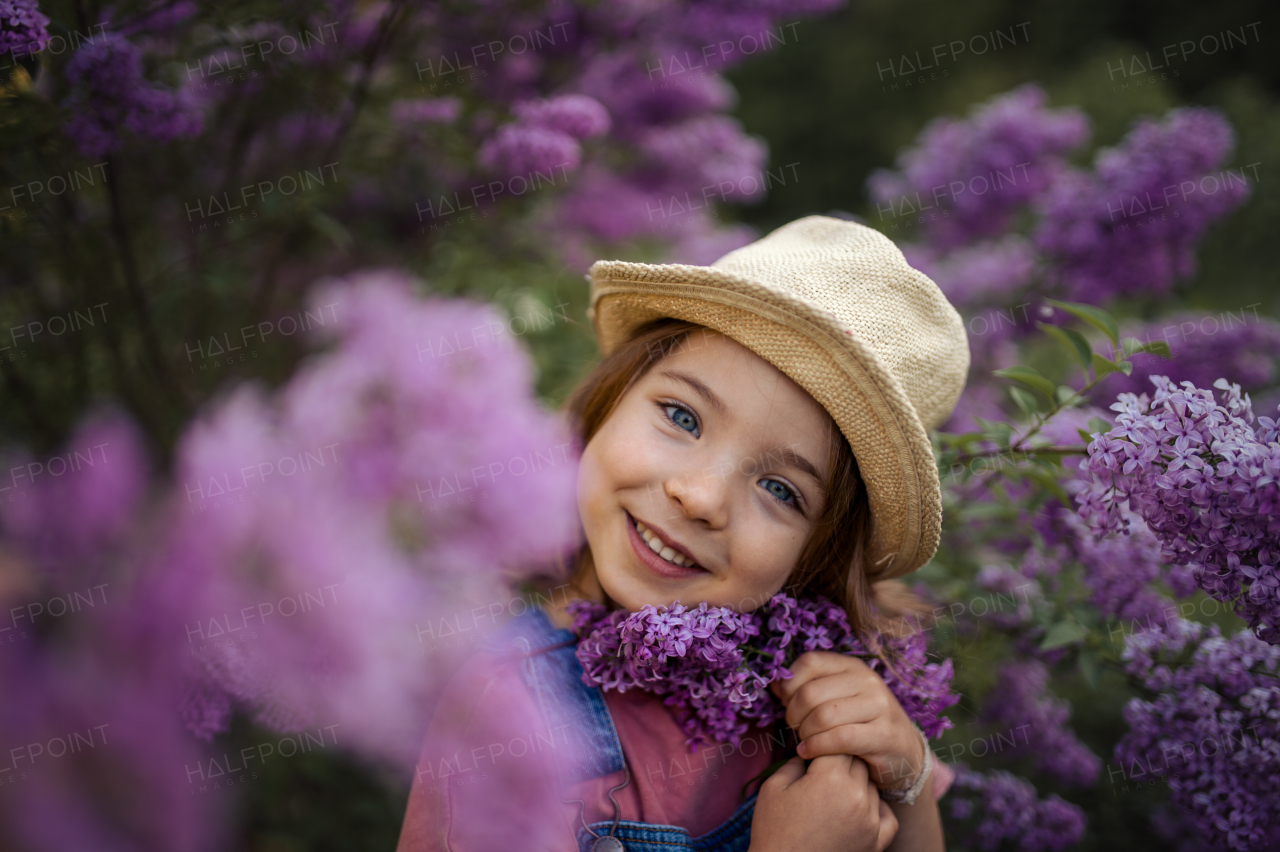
pixel 1205 477
pixel 995 810
pixel 110 95
pixel 1021 698
pixel 23 29
pixel 714 665
pixel 545 136
pixel 645 85
pixel 1124 575
pixel 1132 223
pixel 982 169
pixel 1209 729
pixel 1204 347
pixel 414 500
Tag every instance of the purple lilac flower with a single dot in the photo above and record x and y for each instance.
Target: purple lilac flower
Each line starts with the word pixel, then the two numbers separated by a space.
pixel 991 809
pixel 110 95
pixel 714 665
pixel 1022 704
pixel 79 502
pixel 101 759
pixel 23 29
pixel 1132 224
pixel 1122 572
pixel 709 152
pixel 373 497
pixel 577 115
pixel 1008 584
pixel 1205 477
pixel 981 169
pixel 1203 347
pixel 1210 727
pixel 518 149
pixel 985 273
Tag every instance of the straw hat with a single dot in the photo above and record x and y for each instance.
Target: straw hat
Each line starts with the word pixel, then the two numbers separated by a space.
pixel 833 305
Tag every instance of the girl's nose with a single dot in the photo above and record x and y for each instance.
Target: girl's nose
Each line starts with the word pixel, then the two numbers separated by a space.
pixel 699 497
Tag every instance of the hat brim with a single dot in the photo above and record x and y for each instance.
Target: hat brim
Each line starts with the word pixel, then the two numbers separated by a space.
pixel 809 345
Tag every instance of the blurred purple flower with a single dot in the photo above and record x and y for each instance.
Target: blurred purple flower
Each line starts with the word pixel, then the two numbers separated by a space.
pixel 1020 700
pixel 997 810
pixel 518 149
pixel 1210 728
pixel 981 169
pixel 77 503
pixel 1132 224
pixel 577 115
pixel 703 246
pixel 101 760
pixel 110 95
pixel 707 153
pixel 1203 348
pixel 983 273
pixel 23 29
pixel 377 491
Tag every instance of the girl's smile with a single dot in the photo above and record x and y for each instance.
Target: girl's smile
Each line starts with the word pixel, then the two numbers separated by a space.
pixel 660 552
pixel 704 482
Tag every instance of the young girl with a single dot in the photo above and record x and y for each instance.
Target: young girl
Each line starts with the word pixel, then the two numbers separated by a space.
pixel 756 426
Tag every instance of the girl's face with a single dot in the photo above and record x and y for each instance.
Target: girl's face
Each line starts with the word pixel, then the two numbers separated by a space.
pixel 705 481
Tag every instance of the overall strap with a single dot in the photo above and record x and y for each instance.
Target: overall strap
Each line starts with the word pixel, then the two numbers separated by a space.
pixel 574 713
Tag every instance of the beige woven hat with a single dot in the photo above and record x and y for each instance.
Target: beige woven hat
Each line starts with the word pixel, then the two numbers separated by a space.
pixel 833 305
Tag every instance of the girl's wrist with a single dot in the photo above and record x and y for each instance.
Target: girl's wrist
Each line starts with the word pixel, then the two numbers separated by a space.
pixel 906 793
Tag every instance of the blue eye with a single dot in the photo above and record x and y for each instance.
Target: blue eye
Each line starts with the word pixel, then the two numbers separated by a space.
pixel 780 491
pixel 681 417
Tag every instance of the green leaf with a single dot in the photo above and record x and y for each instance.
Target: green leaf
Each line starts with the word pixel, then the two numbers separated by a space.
pixel 1028 377
pixel 1155 347
pixel 1075 342
pixel 1126 367
pixel 1096 317
pixel 1090 668
pixel 1064 393
pixel 1085 436
pixel 1062 633
pixel 1103 366
pixel 1097 424
pixel 996 430
pixel 1024 400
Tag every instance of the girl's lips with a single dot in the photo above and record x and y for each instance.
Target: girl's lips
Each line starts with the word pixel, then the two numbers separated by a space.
pixel 653 561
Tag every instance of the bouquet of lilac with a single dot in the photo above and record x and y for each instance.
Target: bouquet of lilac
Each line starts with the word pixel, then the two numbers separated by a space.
pixel 714 665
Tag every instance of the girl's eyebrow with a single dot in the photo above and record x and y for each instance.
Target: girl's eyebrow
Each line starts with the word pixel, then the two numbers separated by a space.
pixel 785 454
pixel 707 394
pixel 794 459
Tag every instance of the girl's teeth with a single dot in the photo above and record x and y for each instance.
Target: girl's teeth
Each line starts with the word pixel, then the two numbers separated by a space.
pixel 661 548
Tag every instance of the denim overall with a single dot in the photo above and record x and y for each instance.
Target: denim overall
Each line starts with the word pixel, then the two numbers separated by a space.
pixel 554 678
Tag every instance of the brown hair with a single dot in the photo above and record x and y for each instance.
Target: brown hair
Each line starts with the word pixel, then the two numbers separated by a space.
pixel 833 561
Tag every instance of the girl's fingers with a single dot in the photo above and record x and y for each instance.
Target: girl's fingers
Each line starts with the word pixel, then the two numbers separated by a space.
pixel 888 825
pixel 820 690
pixel 788 774
pixel 816 664
pixel 842 710
pixel 844 739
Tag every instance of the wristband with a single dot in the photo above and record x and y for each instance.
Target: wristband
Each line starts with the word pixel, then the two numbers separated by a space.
pixel 908 795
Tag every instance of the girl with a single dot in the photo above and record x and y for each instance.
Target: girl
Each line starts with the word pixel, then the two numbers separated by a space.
pixel 756 426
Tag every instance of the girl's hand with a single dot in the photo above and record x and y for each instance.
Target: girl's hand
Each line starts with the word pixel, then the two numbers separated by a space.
pixel 830 807
pixel 838 705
